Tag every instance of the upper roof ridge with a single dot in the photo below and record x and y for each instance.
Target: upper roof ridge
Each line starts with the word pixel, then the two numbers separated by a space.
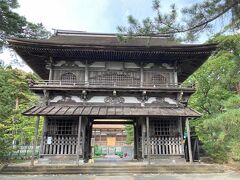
pixel 60 32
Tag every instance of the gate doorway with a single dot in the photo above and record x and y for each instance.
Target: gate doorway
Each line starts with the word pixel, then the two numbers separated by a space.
pixel 113 140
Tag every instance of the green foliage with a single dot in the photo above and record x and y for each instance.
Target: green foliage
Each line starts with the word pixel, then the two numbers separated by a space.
pixel 130 134
pixel 12 24
pixel 218 98
pixel 203 16
pixel 13 126
pixel 220 135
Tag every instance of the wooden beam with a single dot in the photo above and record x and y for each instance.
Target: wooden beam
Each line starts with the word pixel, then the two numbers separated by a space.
pixel 79 138
pixel 148 141
pixel 112 122
pixel 189 141
pixel 35 140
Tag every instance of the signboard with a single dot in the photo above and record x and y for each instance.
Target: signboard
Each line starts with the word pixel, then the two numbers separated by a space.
pixel 49 140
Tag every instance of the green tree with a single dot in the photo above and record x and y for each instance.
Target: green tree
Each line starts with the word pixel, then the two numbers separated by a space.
pixel 14 25
pixel 218 98
pixel 198 18
pixel 15 98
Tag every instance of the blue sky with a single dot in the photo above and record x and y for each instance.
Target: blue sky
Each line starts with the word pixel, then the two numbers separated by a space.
pixel 89 15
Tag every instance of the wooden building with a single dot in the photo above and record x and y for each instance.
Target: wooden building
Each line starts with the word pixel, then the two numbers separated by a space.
pixel 109 135
pixel 87 76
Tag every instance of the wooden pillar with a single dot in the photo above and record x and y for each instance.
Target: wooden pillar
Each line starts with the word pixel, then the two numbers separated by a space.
pixel 35 140
pixel 50 69
pixel 175 78
pixel 90 138
pixel 181 135
pixel 148 141
pixel 79 138
pixel 141 75
pixel 86 74
pixel 143 138
pixel 135 140
pixel 189 141
pixel 84 139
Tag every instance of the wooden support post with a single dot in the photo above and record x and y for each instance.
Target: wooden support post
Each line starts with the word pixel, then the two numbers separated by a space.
pixel 189 141
pixel 135 140
pixel 50 74
pixel 143 138
pixel 35 140
pixel 79 138
pixel 141 75
pixel 86 74
pixel 50 70
pixel 148 141
pixel 84 140
pixel 181 135
pixel 90 155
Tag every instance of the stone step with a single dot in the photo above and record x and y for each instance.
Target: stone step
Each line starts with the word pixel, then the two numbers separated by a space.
pixel 112 170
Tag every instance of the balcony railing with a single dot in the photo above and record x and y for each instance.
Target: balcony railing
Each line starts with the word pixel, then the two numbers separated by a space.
pixel 109 84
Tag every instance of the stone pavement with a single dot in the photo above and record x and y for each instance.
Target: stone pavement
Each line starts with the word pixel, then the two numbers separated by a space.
pixel 230 175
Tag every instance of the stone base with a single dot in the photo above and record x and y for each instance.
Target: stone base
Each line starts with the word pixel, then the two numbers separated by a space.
pixel 59 159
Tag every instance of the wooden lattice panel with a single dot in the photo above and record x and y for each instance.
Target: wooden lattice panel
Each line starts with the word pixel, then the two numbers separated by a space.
pixel 164 127
pixel 62 127
pixel 114 78
pixel 156 78
pixel 68 78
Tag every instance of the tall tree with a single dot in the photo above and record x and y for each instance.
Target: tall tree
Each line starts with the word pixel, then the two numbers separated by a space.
pixel 198 18
pixel 14 126
pixel 12 24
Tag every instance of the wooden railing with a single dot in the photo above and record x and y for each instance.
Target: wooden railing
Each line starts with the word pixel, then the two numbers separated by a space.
pixel 134 84
pixel 61 145
pixel 165 146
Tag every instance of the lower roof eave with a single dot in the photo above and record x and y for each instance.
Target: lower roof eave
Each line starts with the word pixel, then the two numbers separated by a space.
pixel 110 111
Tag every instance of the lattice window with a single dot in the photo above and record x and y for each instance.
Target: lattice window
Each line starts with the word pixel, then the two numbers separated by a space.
pixel 118 78
pixel 68 78
pixel 62 127
pixel 159 79
pixel 164 127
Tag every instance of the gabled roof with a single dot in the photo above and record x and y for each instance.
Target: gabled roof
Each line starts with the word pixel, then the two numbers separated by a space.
pixel 74 45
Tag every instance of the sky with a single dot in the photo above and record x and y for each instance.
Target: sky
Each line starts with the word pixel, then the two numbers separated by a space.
pixel 87 15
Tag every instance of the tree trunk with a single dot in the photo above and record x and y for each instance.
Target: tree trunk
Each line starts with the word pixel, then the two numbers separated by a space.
pixel 238 88
pixel 17 102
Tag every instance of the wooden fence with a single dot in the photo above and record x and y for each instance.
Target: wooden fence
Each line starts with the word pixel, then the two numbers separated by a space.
pixel 165 146
pixel 61 145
